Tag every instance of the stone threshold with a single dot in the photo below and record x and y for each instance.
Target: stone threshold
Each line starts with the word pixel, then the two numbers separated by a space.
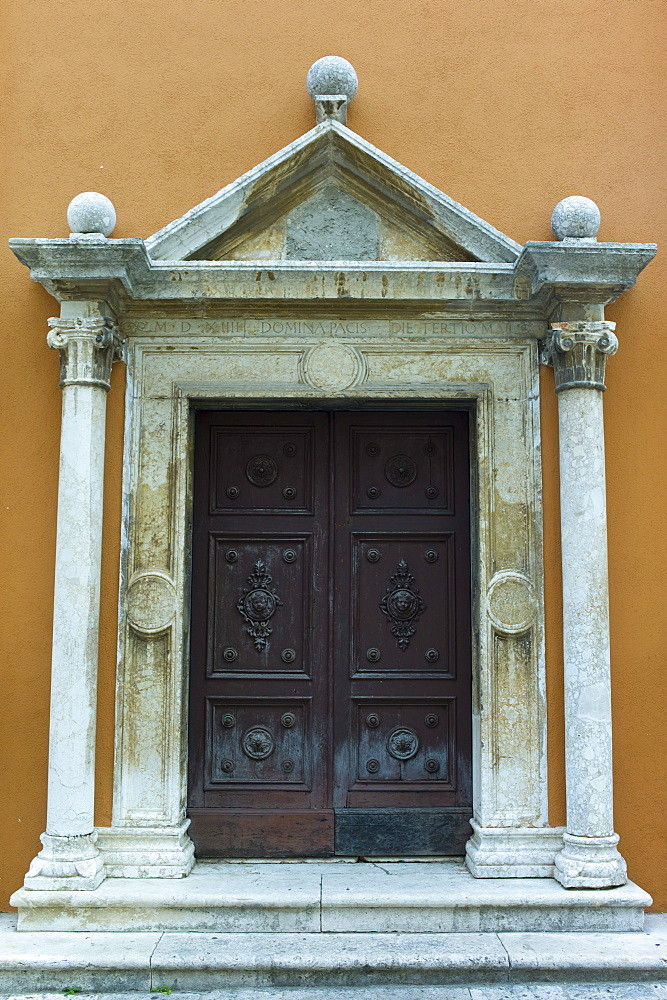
pixel 107 962
pixel 319 898
pixel 488 991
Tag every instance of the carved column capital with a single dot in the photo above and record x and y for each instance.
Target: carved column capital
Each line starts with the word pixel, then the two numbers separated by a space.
pixel 88 347
pixel 578 352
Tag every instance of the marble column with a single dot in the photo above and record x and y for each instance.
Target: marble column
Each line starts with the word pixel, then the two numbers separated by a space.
pixel 589 858
pixel 88 343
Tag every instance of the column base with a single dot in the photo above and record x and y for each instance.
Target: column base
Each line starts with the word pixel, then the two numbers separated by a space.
pixel 513 852
pixel 590 863
pixel 147 852
pixel 66 863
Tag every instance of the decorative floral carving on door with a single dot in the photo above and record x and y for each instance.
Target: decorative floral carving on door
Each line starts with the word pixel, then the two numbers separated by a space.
pixel 258 604
pixel 402 604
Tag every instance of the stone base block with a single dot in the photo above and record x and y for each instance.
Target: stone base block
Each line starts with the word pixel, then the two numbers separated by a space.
pixel 516 852
pixel 590 863
pixel 66 863
pixel 146 852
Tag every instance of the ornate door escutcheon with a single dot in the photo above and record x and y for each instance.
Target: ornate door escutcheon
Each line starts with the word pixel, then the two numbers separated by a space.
pixel 402 605
pixel 258 604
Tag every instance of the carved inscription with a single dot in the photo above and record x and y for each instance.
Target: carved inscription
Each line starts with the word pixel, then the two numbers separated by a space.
pixel 250 327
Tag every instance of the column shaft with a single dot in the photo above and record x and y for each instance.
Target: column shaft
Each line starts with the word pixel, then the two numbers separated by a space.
pixel 76 613
pixel 589 858
pixel 585 614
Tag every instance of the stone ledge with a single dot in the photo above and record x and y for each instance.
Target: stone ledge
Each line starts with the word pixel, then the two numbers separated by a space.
pixel 490 991
pixel 117 962
pixel 437 897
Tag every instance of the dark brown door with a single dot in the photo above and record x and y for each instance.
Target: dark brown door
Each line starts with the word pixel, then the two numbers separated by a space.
pixel 330 694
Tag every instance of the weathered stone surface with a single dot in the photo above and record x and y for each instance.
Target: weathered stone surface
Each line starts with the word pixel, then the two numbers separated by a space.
pixel 263 966
pixel 575 218
pixel 198 961
pixel 332 226
pixel 91 212
pixel 69 858
pixel 589 856
pixel 321 896
pixel 151 603
pixel 490 991
pixel 332 75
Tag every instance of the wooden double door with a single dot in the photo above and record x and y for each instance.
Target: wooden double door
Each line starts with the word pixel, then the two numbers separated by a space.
pixel 330 691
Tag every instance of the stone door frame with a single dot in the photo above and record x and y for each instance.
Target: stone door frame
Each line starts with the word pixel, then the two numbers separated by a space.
pixel 490 368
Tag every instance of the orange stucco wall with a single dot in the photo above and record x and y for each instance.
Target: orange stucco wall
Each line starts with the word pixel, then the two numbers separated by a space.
pixel 507 105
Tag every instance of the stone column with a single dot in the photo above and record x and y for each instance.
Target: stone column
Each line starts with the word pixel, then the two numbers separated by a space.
pixel 88 344
pixel 589 858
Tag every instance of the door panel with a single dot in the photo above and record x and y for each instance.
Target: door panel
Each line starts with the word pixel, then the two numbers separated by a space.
pixel 259 719
pixel 391 573
pixel 330 685
pixel 402 632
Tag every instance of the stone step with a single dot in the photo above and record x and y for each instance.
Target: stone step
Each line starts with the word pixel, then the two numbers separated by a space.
pixel 435 898
pixel 112 962
pixel 489 991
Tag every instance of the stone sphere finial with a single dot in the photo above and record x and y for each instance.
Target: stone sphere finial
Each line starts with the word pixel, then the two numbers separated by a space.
pixel 332 75
pixel 91 212
pixel 575 218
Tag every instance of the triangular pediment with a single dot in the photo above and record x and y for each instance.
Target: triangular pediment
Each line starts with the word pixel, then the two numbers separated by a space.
pixel 331 195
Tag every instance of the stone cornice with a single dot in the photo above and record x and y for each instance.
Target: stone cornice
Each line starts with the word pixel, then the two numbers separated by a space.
pixel 545 273
pixel 583 270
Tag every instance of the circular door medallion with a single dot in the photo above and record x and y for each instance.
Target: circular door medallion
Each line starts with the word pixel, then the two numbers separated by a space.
pixel 259 604
pixel 261 470
pixel 257 743
pixel 402 605
pixel 401 470
pixel 333 367
pixel 402 744
pixel 151 603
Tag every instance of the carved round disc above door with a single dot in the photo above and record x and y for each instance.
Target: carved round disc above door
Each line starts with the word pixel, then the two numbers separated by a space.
pixel 333 367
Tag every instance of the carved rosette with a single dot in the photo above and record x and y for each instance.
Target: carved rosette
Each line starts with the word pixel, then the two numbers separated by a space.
pixel 88 347
pixel 578 352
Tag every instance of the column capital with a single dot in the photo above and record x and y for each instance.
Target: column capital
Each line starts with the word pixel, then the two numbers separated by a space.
pixel 578 352
pixel 88 346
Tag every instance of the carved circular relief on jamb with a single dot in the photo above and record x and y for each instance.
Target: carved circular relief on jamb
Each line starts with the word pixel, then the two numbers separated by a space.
pixel 333 367
pixel 150 603
pixel 510 602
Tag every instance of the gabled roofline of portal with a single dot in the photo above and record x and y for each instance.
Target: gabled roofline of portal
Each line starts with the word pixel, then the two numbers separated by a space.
pixel 215 215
